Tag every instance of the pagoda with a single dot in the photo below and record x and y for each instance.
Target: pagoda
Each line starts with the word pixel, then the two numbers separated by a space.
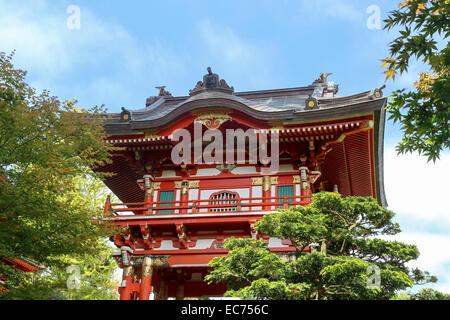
pixel 177 207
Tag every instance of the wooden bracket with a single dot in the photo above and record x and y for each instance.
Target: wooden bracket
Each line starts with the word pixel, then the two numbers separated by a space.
pixel 146 236
pixel 181 235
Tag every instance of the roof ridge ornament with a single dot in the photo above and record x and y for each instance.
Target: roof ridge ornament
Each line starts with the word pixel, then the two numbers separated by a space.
pixel 323 88
pixel 163 92
pixel 377 92
pixel 211 81
pixel 125 115
pixel 323 78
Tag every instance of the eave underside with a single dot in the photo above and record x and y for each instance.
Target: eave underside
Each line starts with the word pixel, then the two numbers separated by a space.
pixel 353 164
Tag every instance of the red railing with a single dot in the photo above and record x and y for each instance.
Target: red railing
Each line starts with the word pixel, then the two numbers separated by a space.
pixel 243 205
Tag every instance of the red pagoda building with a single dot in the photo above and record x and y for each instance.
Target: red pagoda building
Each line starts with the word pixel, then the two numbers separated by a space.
pixel 174 215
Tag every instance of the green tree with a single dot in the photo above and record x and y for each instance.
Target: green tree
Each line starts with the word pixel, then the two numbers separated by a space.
pixel 347 259
pixel 430 294
pixel 49 195
pixel 424 294
pixel 423 113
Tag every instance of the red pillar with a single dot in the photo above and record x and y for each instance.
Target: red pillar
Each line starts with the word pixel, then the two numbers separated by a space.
pixel 146 280
pixel 107 209
pixel 127 281
pixel 184 195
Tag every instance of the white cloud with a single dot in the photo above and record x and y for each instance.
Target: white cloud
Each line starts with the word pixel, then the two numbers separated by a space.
pixel 416 189
pixel 434 255
pixel 113 60
pixel 417 192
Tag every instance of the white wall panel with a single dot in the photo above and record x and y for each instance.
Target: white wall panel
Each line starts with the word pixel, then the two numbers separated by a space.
pixel 276 243
pixel 286 167
pixel 168 174
pixel 177 198
pixel 273 191
pixel 203 243
pixel 256 193
pixel 244 170
pixel 206 172
pixel 166 245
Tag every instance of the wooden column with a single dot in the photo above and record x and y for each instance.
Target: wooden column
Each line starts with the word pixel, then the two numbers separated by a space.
pixel 127 281
pixel 162 292
pixel 179 292
pixel 146 279
pixel 184 195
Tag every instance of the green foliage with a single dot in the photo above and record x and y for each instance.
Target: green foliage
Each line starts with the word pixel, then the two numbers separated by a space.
pixel 71 277
pixel 250 262
pixel 424 294
pixel 430 294
pixel 424 113
pixel 275 290
pixel 49 196
pixel 346 267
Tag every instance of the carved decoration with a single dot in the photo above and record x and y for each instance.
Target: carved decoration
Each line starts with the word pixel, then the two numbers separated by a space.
pixel 258 181
pixel 296 179
pixel 226 167
pixel 211 81
pixel 156 260
pixel 183 185
pixel 147 266
pixel 156 185
pixel 193 184
pixel 266 183
pixel 212 120
pixel 179 184
pixel 273 180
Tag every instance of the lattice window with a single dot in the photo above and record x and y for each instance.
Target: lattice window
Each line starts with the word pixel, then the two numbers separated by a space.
pixel 218 199
pixel 165 196
pixel 285 191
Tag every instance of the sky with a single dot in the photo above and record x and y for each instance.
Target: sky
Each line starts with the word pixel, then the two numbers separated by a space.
pixel 115 53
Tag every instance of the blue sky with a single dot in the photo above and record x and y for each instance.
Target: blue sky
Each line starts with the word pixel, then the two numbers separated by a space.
pixel 122 51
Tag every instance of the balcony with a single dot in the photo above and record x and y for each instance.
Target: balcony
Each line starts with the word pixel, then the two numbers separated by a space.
pixel 207 206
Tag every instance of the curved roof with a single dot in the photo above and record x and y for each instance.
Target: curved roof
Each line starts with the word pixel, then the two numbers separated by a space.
pixel 291 105
pixel 279 104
